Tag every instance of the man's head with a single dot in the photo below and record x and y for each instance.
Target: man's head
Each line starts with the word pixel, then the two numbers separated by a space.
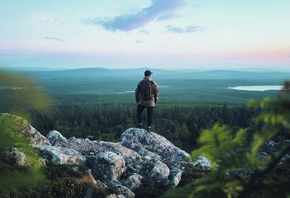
pixel 148 73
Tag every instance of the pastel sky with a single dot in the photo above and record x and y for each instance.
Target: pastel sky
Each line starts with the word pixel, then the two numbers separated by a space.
pixel 163 34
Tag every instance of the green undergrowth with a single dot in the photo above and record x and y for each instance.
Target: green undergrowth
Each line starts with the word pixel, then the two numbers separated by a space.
pixel 59 181
pixel 276 184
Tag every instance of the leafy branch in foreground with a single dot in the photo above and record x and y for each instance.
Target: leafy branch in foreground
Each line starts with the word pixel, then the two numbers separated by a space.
pixel 237 170
pixel 226 152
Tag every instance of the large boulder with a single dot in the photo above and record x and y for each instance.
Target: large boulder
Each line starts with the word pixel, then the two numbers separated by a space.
pixel 57 139
pixel 15 156
pixel 91 148
pixel 133 182
pixel 143 153
pixel 108 166
pixel 19 126
pixel 159 172
pixel 60 155
pixel 156 146
pixel 135 139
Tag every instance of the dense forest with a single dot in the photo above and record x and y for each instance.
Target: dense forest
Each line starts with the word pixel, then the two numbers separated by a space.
pixel 99 103
pixel 180 123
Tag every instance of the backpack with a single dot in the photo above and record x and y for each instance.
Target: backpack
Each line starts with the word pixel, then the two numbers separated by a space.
pixel 147 90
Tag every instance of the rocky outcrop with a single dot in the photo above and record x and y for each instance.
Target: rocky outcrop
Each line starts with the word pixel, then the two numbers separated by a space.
pixel 121 165
pixel 153 144
pixel 19 126
pixel 59 155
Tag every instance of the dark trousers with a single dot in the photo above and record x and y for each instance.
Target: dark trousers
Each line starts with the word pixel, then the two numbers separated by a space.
pixel 140 109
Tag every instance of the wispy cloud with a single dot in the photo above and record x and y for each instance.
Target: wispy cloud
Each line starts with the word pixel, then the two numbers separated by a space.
pixel 137 20
pixel 54 38
pixel 188 29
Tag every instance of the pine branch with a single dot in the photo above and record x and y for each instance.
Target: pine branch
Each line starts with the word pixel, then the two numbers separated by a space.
pixel 256 175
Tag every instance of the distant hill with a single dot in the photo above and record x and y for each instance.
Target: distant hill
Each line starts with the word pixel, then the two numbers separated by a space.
pixel 171 74
pixel 107 74
pixel 25 69
pixel 229 74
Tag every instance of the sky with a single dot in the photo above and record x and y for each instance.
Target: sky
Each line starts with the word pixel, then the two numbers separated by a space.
pixel 157 34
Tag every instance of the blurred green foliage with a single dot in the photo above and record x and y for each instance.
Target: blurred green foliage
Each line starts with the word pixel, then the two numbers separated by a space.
pixel 58 181
pixel 237 171
pixel 10 130
pixel 27 94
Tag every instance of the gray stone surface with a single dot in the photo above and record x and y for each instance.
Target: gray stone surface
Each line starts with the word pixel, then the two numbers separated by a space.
pixel 60 155
pixel 19 126
pixel 108 166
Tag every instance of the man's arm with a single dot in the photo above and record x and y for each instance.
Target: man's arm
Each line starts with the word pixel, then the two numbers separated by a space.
pixel 137 91
pixel 156 93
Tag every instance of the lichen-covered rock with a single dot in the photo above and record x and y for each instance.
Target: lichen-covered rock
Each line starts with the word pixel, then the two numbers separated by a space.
pixel 17 125
pixel 137 139
pixel 142 152
pixel 108 166
pixel 175 175
pixel 202 163
pixel 92 148
pixel 160 171
pixel 59 155
pixel 15 156
pixel 133 182
pixel 157 147
pixel 56 139
pixel 115 196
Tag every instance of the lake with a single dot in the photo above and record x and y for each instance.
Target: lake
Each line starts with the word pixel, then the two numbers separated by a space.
pixel 257 88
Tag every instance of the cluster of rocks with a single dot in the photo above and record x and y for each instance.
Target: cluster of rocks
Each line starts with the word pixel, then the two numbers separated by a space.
pixel 123 165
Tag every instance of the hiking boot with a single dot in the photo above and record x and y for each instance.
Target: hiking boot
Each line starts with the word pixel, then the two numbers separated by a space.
pixel 139 126
pixel 149 129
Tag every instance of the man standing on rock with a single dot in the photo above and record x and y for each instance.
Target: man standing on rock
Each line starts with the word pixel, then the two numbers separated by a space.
pixel 146 96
